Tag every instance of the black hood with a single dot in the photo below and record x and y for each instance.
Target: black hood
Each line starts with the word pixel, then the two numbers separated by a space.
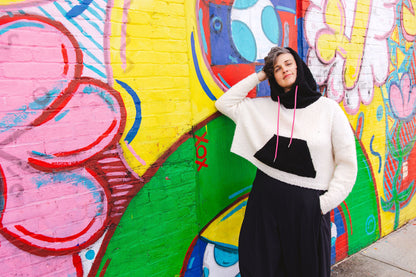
pixel 306 94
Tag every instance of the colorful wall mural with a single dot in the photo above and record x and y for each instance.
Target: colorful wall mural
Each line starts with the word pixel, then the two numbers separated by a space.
pixel 114 160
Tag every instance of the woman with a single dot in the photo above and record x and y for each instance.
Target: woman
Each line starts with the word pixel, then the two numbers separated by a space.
pixel 304 151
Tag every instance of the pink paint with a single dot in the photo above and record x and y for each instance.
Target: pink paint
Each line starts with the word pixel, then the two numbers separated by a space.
pixel 22 263
pixel 123 38
pixel 37 63
pixel 403 98
pixel 62 129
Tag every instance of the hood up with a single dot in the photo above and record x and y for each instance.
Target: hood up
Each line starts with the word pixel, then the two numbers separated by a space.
pixel 305 83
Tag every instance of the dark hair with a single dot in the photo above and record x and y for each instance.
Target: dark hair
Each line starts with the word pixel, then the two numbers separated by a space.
pixel 270 60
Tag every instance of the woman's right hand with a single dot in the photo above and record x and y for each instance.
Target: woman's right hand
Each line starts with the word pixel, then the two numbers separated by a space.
pixel 261 75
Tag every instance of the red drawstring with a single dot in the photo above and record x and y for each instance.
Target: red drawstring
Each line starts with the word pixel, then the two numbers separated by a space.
pixel 293 124
pixel 277 139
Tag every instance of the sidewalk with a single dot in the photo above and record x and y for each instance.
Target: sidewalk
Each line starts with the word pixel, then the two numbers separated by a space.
pixel 391 256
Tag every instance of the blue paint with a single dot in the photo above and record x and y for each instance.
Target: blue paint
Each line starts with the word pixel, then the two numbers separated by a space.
pixel 202 31
pixel 244 40
pixel 375 153
pixel 286 9
pixel 244 4
pixel 63 12
pixel 223 51
pixel 137 121
pixel 61 115
pixel 198 71
pixel 78 9
pixel 236 209
pixel 380 112
pixel 107 99
pixel 43 101
pixel 239 192
pixel 233 59
pixel 45 13
pixel 191 262
pixel 287 5
pixel 21 25
pixel 223 81
pixel 206 272
pixel 84 50
pixel 11 120
pixel 95 70
pixel 270 24
pixel 98 7
pixel 195 264
pixel 93 24
pixel 43 155
pixel 216 24
pixel 70 178
pixel 90 255
pixel 225 257
pixel 370 224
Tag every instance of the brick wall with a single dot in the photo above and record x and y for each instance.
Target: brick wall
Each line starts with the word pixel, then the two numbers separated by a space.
pixel 114 160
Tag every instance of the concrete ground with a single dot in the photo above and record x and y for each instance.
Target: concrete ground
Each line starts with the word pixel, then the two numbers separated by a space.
pixel 392 256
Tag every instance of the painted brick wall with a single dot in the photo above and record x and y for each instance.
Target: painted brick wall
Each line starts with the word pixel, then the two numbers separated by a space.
pixel 114 160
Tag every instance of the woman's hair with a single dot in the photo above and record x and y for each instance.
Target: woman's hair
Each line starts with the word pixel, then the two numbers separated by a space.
pixel 270 59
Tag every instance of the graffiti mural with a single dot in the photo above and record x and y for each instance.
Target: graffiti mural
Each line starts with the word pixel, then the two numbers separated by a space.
pixel 65 183
pixel 115 161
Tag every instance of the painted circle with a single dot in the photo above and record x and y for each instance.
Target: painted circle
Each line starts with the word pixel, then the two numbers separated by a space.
pixel 370 225
pixel 244 40
pixel 380 112
pixel 269 21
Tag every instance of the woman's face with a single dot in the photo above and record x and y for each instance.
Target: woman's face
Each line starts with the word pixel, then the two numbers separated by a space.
pixel 285 71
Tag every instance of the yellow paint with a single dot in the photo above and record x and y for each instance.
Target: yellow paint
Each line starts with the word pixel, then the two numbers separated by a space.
pixel 337 43
pixel 160 69
pixel 226 228
pixel 373 127
pixel 9 2
pixel 409 18
pixel 202 105
pixel 400 56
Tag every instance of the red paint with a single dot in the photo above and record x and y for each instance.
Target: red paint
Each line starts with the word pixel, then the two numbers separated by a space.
pixel 88 147
pixel 76 260
pixel 65 56
pixel 26 232
pixel 201 162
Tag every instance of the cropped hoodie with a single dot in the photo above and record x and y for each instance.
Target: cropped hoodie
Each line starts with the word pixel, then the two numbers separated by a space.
pixel 298 137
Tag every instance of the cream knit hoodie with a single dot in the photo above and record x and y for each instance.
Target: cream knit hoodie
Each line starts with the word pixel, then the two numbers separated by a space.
pixel 322 155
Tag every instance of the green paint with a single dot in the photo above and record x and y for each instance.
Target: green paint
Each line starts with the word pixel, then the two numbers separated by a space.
pixel 226 173
pixel 161 221
pixel 362 204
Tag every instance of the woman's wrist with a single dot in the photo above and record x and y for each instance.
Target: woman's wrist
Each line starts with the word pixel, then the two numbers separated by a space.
pixel 261 75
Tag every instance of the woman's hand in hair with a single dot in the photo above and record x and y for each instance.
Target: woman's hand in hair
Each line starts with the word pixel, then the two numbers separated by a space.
pixel 261 75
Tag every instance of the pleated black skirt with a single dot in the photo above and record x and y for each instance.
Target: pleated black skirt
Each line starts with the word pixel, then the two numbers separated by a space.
pixel 283 232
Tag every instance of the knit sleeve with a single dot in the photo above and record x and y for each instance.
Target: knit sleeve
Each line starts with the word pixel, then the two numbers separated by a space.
pixel 345 159
pixel 229 103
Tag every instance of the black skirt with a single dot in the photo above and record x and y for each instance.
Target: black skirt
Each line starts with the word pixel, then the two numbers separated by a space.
pixel 283 232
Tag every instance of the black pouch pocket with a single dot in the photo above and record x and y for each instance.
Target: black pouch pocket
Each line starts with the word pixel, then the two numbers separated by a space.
pixel 295 159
